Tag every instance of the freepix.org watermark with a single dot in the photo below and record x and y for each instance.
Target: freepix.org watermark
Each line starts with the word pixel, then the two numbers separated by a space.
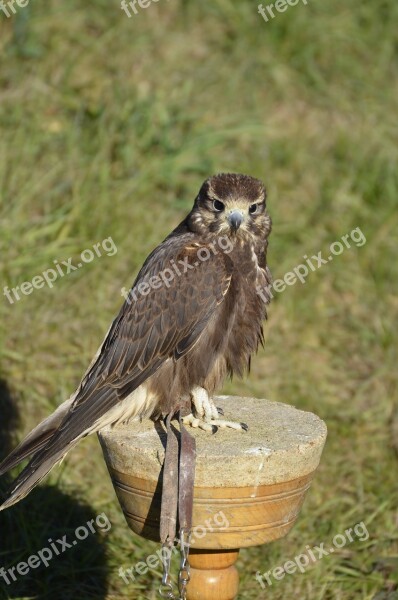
pixel 311 555
pixel 55 548
pixel 303 270
pixel 9 9
pixel 162 555
pixel 279 6
pixel 177 268
pixel 131 8
pixel 49 276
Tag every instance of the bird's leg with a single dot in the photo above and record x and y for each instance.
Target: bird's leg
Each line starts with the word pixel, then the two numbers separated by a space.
pixel 204 405
pixel 207 415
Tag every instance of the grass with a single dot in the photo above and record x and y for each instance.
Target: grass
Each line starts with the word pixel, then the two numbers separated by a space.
pixel 108 127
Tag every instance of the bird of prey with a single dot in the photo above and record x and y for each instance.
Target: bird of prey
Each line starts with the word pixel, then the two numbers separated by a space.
pixel 192 317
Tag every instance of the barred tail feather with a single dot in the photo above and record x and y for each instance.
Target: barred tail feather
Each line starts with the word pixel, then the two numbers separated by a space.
pixel 56 436
pixel 31 476
pixel 37 438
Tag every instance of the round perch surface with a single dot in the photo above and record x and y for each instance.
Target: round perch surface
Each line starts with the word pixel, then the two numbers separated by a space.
pixel 257 479
pixel 282 443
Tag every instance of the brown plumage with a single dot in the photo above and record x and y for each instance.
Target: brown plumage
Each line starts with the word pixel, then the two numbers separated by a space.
pixel 192 317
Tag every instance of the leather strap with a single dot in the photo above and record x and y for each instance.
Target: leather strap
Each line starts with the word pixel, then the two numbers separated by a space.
pixel 168 511
pixel 186 478
pixel 178 482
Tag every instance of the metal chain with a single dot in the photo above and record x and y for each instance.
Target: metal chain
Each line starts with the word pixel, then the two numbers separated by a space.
pixel 184 574
pixel 166 589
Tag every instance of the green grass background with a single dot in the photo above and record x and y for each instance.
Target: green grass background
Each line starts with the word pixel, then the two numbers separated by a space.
pixel 108 125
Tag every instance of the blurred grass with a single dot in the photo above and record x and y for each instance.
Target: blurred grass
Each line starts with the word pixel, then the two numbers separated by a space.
pixel 108 127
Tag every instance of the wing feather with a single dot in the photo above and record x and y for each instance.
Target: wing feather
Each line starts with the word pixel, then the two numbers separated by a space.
pixel 150 329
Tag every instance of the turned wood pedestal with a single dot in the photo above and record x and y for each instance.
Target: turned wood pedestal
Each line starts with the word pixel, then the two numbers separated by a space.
pixel 249 487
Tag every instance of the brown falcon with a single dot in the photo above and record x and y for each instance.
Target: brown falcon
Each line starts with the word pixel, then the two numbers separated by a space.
pixel 192 317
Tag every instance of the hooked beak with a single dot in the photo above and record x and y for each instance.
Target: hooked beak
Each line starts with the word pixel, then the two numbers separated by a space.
pixel 235 219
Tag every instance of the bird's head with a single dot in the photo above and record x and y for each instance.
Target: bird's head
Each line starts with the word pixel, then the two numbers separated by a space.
pixel 231 204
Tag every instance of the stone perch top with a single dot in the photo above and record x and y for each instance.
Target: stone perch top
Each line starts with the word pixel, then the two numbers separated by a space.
pixel 282 444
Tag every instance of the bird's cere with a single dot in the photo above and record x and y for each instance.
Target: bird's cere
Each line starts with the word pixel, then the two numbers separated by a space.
pixel 235 219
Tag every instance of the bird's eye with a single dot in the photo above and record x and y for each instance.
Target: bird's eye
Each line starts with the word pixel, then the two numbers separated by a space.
pixel 218 206
pixel 253 208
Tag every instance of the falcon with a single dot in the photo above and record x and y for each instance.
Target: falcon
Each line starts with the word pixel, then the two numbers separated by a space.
pixel 192 317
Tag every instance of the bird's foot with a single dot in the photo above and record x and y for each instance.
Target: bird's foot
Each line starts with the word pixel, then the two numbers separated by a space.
pixel 192 421
pixel 207 415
